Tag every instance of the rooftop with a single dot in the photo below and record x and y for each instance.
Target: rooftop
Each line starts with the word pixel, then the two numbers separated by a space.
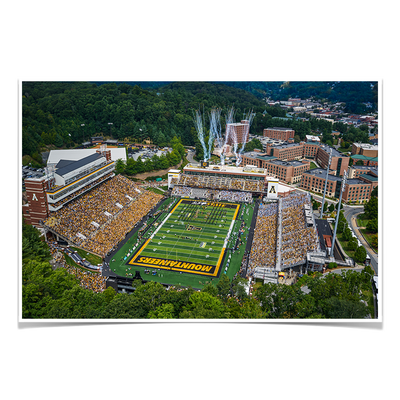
pixel 321 173
pixel 366 146
pixel 371 178
pixel 290 163
pixel 335 153
pixel 76 154
pixel 227 169
pixel 253 154
pixel 73 165
pixel 281 129
pixel 361 157
pixel 283 146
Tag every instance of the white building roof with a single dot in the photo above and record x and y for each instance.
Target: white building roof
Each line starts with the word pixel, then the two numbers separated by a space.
pixel 313 138
pixel 76 154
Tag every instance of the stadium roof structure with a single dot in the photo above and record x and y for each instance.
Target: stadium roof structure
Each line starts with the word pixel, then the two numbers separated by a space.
pixel 73 165
pixel 77 154
pixel 227 169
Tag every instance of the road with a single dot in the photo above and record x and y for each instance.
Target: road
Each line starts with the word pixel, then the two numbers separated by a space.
pixel 190 155
pixel 350 214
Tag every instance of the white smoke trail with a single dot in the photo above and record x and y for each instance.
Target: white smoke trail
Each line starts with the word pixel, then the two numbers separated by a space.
pixel 215 130
pixel 249 119
pixel 199 123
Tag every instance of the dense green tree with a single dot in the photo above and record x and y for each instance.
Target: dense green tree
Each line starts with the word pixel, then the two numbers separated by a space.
pixel 120 166
pixel 372 226
pixel 360 255
pixel 205 306
pixel 343 309
pixel 371 208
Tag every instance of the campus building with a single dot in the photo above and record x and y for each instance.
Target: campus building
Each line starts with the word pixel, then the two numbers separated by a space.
pixel 339 162
pixel 238 130
pixel 279 133
pixel 286 152
pixel 286 171
pixel 356 170
pixel 356 190
pixel 364 149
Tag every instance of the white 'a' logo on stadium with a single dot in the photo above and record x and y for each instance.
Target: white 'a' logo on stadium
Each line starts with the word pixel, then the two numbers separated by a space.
pixel 34 197
pixel 272 190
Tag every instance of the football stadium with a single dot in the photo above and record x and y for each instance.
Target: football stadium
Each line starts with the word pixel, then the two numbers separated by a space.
pixel 212 220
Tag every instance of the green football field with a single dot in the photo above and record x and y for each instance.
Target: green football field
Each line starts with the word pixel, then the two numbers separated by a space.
pixel 192 238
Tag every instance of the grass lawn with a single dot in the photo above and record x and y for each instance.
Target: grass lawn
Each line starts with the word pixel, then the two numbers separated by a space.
pixel 344 245
pixel 92 258
pixel 361 221
pixel 367 235
pixel 72 263
pixel 155 190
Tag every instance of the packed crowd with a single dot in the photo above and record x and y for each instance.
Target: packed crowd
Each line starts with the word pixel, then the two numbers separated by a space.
pixel 263 250
pixel 219 182
pixel 107 237
pixel 99 219
pixel 181 191
pixel 243 197
pixel 297 238
pixel 82 190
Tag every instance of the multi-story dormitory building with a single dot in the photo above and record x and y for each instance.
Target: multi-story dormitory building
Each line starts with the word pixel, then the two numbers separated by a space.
pixel 357 189
pixel 311 150
pixel 279 133
pixel 286 171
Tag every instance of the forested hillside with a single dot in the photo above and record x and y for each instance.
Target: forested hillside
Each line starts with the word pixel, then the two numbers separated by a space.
pixel 65 114
pixel 53 112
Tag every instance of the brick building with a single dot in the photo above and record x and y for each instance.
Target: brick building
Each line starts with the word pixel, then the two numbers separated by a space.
pixel 286 152
pixel 240 130
pixel 356 190
pixel 287 171
pixel 339 162
pixel 279 133
pixel 310 148
pixel 36 207
pixel 364 149
pixel 356 170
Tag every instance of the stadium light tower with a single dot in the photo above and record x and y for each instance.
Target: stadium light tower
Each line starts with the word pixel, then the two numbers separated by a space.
pixel 344 180
pixel 326 182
